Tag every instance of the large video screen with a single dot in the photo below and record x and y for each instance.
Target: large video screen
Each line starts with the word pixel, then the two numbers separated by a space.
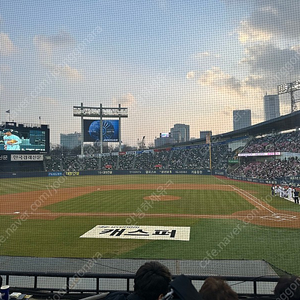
pixel 110 130
pixel 20 138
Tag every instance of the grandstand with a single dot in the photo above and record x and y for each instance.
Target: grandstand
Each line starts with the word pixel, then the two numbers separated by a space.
pixel 261 146
pixel 265 151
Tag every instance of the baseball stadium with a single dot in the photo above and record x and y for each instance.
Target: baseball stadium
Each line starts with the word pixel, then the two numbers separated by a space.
pixel 149 150
pixel 199 207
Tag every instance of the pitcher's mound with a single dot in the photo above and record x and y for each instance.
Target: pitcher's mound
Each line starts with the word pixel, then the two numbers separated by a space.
pixel 161 198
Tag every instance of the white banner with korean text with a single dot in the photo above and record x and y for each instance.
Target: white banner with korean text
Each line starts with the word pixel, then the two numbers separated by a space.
pixel 139 232
pixel 27 157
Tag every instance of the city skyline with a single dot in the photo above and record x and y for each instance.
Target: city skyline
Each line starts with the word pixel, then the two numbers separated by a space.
pixel 169 62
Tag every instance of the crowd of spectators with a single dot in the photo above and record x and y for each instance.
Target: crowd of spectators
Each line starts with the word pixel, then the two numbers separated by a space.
pixel 198 158
pixel 270 169
pixel 286 142
pixel 143 161
pixel 220 156
pixel 153 281
pixel 126 161
pixel 195 157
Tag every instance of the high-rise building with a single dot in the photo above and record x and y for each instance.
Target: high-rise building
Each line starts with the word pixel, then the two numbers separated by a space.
pixel 70 140
pixel 161 141
pixel 180 133
pixel 241 119
pixel 271 106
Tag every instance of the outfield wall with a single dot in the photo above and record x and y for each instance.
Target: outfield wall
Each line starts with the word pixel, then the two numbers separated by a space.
pixel 109 172
pixel 294 180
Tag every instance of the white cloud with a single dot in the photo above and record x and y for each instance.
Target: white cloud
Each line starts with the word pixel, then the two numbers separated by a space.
pixel 47 44
pixel 50 53
pixel 201 55
pixel 71 73
pixel 266 63
pixel 64 71
pixel 270 59
pixel 6 45
pixel 205 55
pixel 247 33
pixel 125 100
pixel 271 18
pixel 190 75
pixel 215 77
pixel 268 67
pixel 271 66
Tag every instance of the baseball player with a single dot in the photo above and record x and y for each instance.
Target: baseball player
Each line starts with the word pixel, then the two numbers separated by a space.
pixel 11 141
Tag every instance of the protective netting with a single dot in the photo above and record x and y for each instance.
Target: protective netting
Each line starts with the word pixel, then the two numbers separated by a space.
pixel 51 274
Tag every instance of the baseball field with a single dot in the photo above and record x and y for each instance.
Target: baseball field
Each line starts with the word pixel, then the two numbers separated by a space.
pixel 227 219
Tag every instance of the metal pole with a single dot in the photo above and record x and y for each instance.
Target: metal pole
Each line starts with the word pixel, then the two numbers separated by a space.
pixel 120 141
pixel 82 130
pixel 210 165
pixel 101 130
pixel 101 138
pixel 292 101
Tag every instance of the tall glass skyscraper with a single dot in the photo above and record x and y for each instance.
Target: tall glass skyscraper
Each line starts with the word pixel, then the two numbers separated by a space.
pixel 180 133
pixel 241 118
pixel 271 107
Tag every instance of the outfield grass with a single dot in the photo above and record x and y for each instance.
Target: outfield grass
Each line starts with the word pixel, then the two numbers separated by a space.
pixel 191 202
pixel 18 185
pixel 60 237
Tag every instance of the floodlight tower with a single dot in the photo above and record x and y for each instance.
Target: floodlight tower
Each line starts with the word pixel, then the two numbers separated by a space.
pixel 290 88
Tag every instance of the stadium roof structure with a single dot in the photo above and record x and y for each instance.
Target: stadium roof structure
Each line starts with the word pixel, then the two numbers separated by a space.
pixel 283 123
pixel 286 122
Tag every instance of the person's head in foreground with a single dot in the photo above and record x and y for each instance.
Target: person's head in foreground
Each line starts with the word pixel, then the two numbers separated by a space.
pixel 288 288
pixel 152 280
pixel 217 289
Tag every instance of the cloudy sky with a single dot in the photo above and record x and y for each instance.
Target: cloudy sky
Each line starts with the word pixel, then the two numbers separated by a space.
pixel 168 61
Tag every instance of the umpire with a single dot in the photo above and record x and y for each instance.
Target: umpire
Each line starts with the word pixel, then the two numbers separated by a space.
pixel 296 196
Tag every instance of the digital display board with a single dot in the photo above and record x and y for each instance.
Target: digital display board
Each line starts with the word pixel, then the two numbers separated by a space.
pixel 165 135
pixel 21 138
pixel 110 130
pixel 259 154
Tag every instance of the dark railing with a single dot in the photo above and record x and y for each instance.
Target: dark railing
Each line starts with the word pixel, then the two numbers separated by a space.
pixel 70 289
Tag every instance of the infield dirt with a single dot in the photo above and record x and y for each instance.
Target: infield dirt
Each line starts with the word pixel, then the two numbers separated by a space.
pixel 33 202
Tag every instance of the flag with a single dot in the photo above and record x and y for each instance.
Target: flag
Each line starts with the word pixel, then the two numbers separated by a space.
pixel 8 111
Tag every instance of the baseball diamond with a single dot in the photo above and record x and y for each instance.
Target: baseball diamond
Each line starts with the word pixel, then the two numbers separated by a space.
pixel 243 214
pixel 262 213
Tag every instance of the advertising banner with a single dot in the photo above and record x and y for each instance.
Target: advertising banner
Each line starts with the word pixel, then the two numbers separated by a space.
pixel 139 232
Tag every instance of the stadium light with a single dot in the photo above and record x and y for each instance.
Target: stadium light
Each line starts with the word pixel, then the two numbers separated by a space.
pixel 290 88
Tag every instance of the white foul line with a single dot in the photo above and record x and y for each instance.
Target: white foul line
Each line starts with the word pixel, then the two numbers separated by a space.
pixel 251 197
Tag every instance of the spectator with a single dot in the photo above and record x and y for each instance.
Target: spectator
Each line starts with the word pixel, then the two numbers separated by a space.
pixel 217 289
pixel 151 281
pixel 288 288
